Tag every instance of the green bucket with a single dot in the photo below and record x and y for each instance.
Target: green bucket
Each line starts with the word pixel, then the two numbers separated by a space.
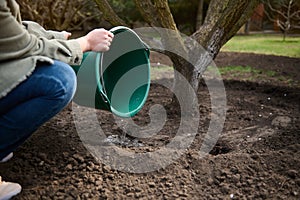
pixel 117 80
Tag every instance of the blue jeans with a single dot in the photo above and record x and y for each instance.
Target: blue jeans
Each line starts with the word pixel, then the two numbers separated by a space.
pixel 44 94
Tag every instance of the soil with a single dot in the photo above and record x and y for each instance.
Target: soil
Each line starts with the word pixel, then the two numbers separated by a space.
pixel 256 157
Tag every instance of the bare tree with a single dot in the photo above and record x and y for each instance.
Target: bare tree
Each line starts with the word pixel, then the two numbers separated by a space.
pixel 58 14
pixel 285 13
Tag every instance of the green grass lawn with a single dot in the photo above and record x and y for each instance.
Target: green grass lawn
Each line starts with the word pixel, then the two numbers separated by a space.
pixel 260 44
pixel 248 73
pixel 264 44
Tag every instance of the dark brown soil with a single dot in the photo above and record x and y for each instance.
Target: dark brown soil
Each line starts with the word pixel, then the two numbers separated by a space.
pixel 257 156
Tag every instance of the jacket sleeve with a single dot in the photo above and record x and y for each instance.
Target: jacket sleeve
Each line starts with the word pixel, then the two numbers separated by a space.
pixel 16 42
pixel 39 31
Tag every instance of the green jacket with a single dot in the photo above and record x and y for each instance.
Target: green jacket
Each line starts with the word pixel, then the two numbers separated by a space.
pixel 23 44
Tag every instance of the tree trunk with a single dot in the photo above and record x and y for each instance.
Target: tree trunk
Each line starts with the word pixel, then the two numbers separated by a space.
pixel 247 27
pixel 224 18
pixel 200 14
pixel 284 34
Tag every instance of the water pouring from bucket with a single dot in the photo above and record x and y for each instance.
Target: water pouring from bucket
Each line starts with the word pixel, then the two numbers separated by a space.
pixel 117 80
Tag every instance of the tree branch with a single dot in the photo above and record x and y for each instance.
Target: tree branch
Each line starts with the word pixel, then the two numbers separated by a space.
pixel 109 14
pixel 148 11
pixel 223 20
pixel 246 14
pixel 275 10
pixel 295 14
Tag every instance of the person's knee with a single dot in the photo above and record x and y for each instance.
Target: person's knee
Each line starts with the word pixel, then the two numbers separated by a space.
pixel 64 82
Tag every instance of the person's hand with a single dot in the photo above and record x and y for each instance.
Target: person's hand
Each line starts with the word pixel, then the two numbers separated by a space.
pixel 67 35
pixel 97 40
